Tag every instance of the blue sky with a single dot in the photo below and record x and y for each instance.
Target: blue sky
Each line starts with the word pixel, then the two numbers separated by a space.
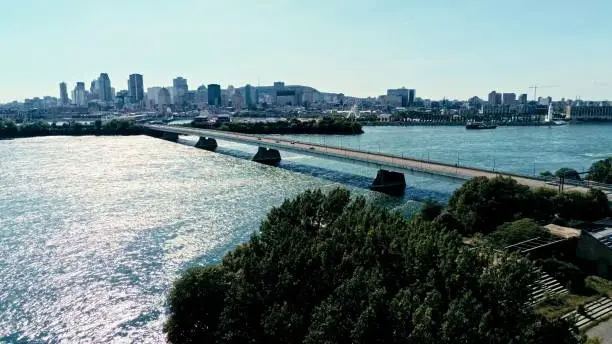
pixel 453 49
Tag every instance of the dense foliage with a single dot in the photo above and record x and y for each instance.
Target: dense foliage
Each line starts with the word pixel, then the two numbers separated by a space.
pixel 431 209
pixel 8 129
pixel 326 125
pixel 567 173
pixel 325 269
pixel 511 233
pixel 601 171
pixel 482 204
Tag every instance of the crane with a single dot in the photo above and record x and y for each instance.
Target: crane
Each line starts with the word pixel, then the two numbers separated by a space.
pixel 535 89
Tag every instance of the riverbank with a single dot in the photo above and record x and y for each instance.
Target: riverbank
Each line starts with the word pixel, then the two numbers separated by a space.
pixel 11 130
pixel 324 126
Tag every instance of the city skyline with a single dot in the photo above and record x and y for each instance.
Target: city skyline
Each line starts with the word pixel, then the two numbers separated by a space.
pixel 357 48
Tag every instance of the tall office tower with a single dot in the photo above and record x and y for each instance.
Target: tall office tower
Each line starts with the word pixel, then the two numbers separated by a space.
pixel 105 92
pixel 63 94
pixel 135 88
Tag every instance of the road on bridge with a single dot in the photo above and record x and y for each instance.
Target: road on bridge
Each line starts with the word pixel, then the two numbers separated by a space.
pixel 389 161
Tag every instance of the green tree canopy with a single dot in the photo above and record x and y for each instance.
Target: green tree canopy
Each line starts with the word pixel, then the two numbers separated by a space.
pixel 568 173
pixel 482 204
pixel 325 269
pixel 431 209
pixel 601 171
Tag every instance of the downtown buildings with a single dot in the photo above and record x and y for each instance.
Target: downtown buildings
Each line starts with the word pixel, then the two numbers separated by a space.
pixel 135 88
pixel 105 93
pixel 64 94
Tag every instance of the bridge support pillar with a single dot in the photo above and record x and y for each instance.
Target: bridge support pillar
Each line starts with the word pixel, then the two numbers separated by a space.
pixel 267 156
pixel 389 182
pixel 207 144
pixel 170 136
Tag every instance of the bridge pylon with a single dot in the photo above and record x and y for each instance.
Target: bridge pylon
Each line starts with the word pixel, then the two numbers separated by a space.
pixel 389 182
pixel 207 143
pixel 267 156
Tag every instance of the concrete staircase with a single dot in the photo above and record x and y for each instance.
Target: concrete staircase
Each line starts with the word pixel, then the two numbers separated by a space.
pixel 545 286
pixel 594 311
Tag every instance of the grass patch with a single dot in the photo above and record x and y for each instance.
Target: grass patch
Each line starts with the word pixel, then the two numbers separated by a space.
pixel 601 285
pixel 556 306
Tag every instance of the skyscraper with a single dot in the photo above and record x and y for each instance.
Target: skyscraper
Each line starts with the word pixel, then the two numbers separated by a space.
pixel 63 93
pixel 523 98
pixel 249 96
pixel 78 94
pixel 214 95
pixel 104 88
pixel 493 98
pixel 135 88
pixel 163 97
pixel 180 88
pixel 201 95
pixel 508 98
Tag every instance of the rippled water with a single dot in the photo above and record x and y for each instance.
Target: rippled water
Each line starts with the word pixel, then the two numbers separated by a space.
pixel 516 149
pixel 93 230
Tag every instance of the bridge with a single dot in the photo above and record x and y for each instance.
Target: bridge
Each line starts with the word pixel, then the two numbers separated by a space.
pixel 390 178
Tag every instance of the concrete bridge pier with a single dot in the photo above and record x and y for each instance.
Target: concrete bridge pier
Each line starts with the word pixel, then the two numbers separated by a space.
pixel 389 182
pixel 170 136
pixel 267 156
pixel 206 144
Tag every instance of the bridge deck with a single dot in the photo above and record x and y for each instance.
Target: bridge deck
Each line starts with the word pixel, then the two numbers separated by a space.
pixel 388 161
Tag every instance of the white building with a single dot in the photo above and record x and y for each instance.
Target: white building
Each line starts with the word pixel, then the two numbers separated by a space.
pixel 153 95
pixel 78 95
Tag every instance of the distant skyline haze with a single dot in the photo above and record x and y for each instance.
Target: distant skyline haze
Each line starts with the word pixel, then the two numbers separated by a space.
pixel 441 48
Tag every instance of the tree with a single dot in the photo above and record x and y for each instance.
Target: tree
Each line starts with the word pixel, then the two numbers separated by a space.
pixel 576 205
pixel 511 233
pixel 482 204
pixel 568 173
pixel 431 209
pixel 601 171
pixel 327 269
pixel 546 174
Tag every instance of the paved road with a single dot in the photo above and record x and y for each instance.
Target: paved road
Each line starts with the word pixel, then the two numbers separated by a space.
pixel 603 331
pixel 384 160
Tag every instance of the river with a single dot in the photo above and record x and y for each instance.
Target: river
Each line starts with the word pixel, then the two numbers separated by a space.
pixel 93 230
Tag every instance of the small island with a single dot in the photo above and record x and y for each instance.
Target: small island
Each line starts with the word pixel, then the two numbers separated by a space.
pixel 323 126
pixel 11 130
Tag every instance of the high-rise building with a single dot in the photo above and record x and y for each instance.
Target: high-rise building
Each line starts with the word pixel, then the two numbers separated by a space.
pixel 201 95
pixel 406 96
pixel 523 98
pixel 78 94
pixel 63 94
pixel 214 95
pixel 180 88
pixel 493 98
pixel 237 100
pixel 250 98
pixel 135 88
pixel 508 98
pixel 163 97
pixel 152 96
pixel 105 92
pixel 544 101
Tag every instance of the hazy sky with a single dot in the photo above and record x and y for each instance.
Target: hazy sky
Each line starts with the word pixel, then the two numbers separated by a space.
pixel 442 48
